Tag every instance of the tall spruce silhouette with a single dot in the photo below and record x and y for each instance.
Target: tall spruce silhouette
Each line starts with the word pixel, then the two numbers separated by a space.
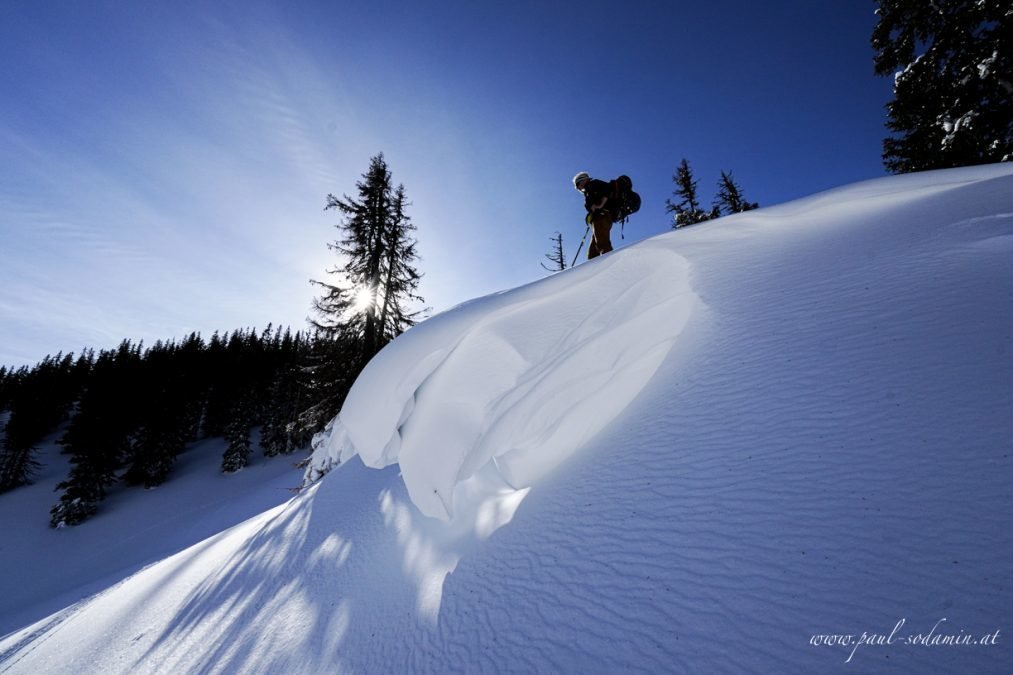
pixel 369 302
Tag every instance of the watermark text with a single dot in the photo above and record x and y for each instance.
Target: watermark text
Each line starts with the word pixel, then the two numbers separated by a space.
pixel 940 635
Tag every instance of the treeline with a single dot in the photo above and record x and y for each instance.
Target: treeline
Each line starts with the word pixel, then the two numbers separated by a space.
pixel 133 410
pixel 130 412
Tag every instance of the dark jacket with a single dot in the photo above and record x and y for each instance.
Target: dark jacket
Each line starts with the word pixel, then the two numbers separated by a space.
pixel 597 195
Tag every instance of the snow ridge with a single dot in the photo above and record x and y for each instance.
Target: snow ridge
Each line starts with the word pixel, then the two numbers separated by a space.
pixel 528 377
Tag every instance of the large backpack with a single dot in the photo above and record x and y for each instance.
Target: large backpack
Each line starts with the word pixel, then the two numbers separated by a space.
pixel 623 200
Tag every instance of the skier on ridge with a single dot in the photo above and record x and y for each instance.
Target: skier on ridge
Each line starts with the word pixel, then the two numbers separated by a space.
pixel 606 203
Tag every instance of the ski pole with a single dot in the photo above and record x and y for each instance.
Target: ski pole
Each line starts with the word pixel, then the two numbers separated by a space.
pixel 582 239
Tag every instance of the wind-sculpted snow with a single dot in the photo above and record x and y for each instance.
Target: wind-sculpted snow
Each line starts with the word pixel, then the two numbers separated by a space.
pixel 521 380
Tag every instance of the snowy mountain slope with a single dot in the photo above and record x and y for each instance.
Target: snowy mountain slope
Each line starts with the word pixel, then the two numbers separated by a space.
pixel 816 441
pixel 44 570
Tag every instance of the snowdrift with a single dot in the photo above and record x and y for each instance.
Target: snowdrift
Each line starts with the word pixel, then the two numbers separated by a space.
pixel 730 448
pixel 519 380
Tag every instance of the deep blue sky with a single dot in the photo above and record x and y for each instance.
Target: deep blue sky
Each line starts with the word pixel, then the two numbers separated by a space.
pixel 163 166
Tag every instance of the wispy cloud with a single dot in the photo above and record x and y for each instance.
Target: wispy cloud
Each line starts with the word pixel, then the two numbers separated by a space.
pixel 193 200
pixel 183 221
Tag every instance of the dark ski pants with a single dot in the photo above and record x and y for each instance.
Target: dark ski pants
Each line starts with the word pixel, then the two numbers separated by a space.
pixel 601 242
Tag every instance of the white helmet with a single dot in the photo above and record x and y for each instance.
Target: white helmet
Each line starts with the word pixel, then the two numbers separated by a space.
pixel 580 179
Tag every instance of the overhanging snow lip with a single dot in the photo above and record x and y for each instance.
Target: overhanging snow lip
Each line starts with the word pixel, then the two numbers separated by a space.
pixel 535 341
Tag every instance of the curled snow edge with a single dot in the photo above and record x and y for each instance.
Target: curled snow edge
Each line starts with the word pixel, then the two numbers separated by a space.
pixel 520 379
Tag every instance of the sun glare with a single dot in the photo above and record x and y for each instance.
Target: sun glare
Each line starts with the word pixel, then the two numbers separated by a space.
pixel 363 299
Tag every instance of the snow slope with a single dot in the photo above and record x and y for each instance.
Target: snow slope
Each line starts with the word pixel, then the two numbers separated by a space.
pixel 705 452
pixel 44 570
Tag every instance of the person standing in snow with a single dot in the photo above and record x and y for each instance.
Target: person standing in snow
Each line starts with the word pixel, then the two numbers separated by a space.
pixel 600 214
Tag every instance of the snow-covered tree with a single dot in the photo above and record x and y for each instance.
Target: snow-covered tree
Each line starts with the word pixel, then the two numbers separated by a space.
pixel 952 64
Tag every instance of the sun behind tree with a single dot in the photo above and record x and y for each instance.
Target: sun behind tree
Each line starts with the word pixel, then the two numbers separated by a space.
pixel 372 301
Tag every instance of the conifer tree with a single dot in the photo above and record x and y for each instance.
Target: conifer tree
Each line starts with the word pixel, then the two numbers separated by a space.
pixel 274 437
pixel 730 199
pixel 237 454
pixel 40 402
pixel 952 64
pixel 193 383
pixel 165 423
pixel 368 305
pixel 6 387
pixel 18 465
pixel 350 306
pixel 287 396
pixel 555 255
pixel 17 454
pixel 217 372
pixel 379 274
pixel 155 448
pixel 12 384
pixel 399 278
pixel 331 366
pixel 687 210
pixel 98 438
